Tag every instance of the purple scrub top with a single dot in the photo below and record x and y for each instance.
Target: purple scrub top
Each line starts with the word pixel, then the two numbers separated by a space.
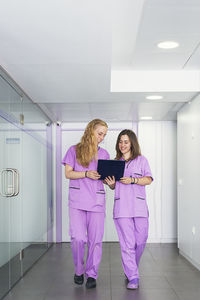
pixel 130 199
pixel 85 193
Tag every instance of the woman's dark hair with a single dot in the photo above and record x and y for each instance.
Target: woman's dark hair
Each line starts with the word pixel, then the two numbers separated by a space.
pixel 135 148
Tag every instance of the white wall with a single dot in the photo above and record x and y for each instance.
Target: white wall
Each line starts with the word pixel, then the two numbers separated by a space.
pixel 158 144
pixel 189 181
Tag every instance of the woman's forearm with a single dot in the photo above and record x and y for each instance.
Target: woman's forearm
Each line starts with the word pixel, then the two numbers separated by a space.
pixel 71 174
pixel 142 180
pixel 75 174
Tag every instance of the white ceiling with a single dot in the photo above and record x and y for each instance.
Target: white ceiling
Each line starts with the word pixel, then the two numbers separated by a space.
pixel 168 20
pixel 62 52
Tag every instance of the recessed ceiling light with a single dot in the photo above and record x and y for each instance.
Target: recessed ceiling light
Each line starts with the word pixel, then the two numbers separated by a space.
pixel 168 45
pixel 154 97
pixel 146 118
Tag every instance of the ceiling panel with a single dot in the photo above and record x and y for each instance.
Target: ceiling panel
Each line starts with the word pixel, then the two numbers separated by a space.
pixel 62 52
pixel 167 20
pixel 110 112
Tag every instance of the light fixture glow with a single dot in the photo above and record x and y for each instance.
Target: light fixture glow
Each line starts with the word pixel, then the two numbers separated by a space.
pixel 168 45
pixel 146 118
pixel 154 97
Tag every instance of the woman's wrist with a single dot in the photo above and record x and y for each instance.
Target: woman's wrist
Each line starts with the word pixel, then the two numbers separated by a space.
pixel 132 180
pixel 86 174
pixel 112 186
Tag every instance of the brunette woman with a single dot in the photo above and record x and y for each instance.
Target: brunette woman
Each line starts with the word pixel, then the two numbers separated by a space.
pixel 130 207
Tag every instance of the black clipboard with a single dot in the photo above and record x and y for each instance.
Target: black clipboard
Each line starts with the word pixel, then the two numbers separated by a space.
pixel 111 168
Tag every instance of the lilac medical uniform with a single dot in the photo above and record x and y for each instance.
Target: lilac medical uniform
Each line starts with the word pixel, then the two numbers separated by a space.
pixel 86 214
pixel 131 216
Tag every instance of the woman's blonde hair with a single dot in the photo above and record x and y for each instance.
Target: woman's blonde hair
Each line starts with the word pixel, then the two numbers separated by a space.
pixel 86 150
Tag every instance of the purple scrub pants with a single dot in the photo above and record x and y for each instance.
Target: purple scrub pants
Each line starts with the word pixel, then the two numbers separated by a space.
pixel 86 227
pixel 133 234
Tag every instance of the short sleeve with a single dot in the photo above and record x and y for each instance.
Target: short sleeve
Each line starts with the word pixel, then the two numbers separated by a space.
pixel 70 157
pixel 103 154
pixel 146 168
pixel 107 156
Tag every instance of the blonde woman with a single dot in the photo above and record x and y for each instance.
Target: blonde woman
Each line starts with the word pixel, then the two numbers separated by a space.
pixel 86 201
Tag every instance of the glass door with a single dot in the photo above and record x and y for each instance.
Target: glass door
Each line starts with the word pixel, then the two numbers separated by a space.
pixel 10 196
pixel 35 202
pixel 4 220
pixel 25 184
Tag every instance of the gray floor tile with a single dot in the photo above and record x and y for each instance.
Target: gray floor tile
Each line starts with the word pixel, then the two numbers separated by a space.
pixel 144 294
pixel 188 294
pixel 154 282
pixel 183 283
pixel 183 275
pixel 78 292
pixel 25 297
pixel 164 274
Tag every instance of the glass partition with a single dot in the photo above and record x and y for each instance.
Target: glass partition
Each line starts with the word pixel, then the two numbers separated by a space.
pixel 25 183
pixel 10 199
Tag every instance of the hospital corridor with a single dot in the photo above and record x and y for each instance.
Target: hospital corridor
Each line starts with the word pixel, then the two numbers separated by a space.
pixel 87 82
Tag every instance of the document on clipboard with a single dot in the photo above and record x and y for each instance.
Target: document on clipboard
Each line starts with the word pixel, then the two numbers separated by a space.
pixel 111 168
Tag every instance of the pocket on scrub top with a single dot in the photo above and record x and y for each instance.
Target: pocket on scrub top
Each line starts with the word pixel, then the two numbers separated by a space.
pixel 74 193
pixel 100 197
pixel 137 174
pixel 140 198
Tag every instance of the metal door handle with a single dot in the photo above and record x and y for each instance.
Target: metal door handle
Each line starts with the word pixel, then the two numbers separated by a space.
pixel 9 188
pixel 16 182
